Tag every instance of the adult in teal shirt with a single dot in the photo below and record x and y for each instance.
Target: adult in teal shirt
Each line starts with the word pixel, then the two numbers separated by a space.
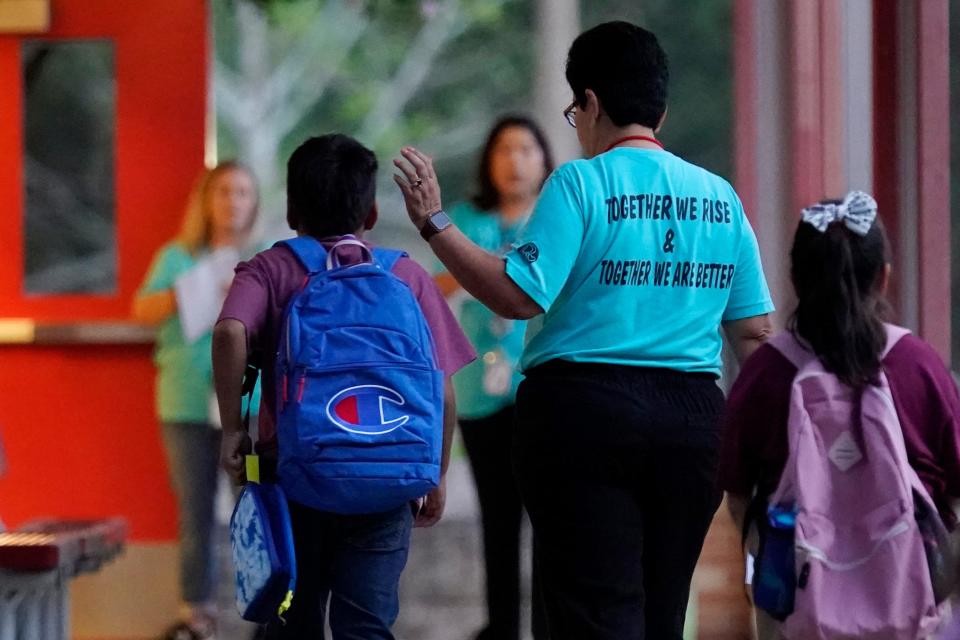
pixel 632 262
pixel 515 161
pixel 220 215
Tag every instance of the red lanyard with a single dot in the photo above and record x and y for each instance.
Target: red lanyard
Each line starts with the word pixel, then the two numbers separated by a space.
pixel 628 138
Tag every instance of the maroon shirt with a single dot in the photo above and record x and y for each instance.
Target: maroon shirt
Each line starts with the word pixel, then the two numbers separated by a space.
pixel 263 286
pixel 754 449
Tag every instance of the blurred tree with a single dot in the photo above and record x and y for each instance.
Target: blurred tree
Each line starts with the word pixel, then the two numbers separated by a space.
pixel 434 73
pixel 389 73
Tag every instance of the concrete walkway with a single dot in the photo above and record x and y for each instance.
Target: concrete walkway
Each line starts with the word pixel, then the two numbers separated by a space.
pixel 441 595
pixel 441 592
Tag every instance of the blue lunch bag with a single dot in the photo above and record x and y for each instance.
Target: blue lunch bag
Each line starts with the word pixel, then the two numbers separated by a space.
pixel 263 553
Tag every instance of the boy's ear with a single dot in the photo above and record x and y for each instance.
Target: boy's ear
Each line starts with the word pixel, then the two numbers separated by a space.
pixel 372 218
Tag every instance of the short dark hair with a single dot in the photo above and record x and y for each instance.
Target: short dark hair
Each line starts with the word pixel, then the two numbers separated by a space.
pixel 487 197
pixel 331 186
pixel 624 65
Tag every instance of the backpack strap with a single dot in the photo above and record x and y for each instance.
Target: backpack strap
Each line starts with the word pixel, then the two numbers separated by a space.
pixel 794 351
pixel 894 334
pixel 791 348
pixel 386 258
pixel 309 252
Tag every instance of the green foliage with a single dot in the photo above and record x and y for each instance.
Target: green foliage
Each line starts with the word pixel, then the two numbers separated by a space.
pixel 482 72
pixel 486 69
pixel 698 40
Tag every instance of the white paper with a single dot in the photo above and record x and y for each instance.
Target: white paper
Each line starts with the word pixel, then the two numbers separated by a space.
pixel 213 412
pixel 201 291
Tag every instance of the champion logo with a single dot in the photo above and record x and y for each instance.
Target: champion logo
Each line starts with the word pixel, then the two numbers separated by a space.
pixel 367 409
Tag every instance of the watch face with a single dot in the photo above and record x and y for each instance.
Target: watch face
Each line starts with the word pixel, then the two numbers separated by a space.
pixel 440 220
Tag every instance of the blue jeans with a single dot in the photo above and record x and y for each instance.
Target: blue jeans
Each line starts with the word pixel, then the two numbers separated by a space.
pixel 355 562
pixel 193 456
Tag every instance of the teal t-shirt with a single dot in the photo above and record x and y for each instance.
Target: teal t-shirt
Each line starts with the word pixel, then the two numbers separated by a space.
pixel 637 257
pixel 489 383
pixel 184 370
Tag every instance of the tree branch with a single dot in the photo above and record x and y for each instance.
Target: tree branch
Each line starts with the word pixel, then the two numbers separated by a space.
pixel 335 19
pixel 232 104
pixel 447 24
pixel 287 113
pixel 455 141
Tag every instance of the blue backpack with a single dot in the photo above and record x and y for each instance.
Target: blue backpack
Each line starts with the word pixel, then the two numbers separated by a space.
pixel 360 396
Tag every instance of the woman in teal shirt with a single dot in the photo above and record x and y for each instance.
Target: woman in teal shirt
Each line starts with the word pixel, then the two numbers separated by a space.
pixel 219 217
pixel 635 259
pixel 515 161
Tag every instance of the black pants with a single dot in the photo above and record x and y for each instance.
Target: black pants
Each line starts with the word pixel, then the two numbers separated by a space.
pixel 617 469
pixel 488 442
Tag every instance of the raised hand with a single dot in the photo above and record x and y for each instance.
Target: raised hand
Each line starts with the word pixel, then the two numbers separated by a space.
pixel 418 184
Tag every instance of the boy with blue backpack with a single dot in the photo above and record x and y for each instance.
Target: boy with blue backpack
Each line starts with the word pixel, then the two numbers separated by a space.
pixel 359 346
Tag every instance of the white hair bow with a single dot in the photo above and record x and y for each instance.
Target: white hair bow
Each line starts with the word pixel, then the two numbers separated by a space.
pixel 857 211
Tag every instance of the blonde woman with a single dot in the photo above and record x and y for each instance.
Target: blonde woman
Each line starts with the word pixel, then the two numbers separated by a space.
pixel 220 215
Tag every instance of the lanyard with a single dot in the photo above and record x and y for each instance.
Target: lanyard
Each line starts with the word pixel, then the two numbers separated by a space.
pixel 628 138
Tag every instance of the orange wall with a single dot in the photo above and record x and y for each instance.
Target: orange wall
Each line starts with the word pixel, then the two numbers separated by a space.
pixel 78 421
pixel 81 439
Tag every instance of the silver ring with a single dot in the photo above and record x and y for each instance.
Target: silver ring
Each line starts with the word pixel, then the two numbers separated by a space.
pixel 418 183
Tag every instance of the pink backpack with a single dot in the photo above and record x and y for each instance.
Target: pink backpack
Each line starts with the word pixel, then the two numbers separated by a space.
pixel 860 562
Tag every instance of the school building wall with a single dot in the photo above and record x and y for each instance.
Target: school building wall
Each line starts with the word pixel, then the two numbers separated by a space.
pixel 836 95
pixel 76 408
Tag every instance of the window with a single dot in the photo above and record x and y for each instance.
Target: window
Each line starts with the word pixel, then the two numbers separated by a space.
pixel 69 90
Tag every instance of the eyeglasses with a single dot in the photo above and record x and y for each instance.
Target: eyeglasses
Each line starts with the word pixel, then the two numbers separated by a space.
pixel 569 114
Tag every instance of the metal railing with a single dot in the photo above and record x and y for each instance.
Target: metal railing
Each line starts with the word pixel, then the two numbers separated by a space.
pixel 37 563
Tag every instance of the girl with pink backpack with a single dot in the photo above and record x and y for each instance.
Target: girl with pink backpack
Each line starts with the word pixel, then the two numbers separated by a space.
pixel 841 448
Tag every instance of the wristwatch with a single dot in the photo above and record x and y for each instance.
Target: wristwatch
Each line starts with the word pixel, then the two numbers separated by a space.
pixel 436 222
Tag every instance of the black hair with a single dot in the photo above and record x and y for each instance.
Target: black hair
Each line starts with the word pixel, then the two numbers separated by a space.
pixel 626 67
pixel 487 197
pixel 331 186
pixel 837 275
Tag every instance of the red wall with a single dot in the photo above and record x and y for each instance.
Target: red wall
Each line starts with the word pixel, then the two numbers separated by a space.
pixel 78 421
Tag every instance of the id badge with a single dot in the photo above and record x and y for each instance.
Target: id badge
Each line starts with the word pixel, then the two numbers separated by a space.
pixel 497 374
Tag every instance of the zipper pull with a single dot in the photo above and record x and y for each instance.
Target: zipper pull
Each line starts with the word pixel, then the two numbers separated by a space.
pixel 303 381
